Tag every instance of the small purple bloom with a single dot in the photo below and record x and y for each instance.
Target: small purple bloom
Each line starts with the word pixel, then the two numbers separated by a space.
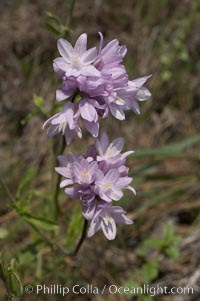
pixel 64 122
pixel 100 79
pixel 78 60
pixel 68 89
pixel 105 218
pixel 93 180
pixel 109 186
pixel 112 53
pixel 97 83
pixel 110 153
pixel 135 92
pixel 84 172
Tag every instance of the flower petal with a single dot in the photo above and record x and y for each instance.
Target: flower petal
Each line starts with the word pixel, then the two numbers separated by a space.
pixel 89 56
pixel 69 134
pixel 65 49
pixel 94 227
pixel 139 82
pixel 135 107
pixel 61 64
pixel 115 147
pixel 88 211
pixel 66 183
pixel 60 95
pixel 87 111
pixel 81 44
pixel 132 189
pixel 90 71
pixel 122 218
pixel 102 144
pixel 109 230
pixel 143 94
pixel 123 182
pixel 64 171
pixel 112 176
pixel 117 111
pixel 92 127
pixel 115 194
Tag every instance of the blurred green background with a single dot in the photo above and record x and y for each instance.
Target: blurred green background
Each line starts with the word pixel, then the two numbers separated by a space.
pixel 162 247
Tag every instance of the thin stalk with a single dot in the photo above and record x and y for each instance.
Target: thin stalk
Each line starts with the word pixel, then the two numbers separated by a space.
pixel 70 14
pixel 82 238
pixel 57 186
pixel 52 162
pixel 54 246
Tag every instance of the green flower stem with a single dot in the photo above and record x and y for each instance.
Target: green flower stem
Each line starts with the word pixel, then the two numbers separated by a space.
pixel 82 238
pixel 52 162
pixel 56 247
pixel 70 15
pixel 55 187
pixel 55 192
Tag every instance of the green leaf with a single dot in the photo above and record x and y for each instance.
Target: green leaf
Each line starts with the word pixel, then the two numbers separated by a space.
pixel 2 265
pixel 13 280
pixel 173 252
pixel 168 234
pixel 132 285
pixel 54 18
pixel 149 271
pixel 52 29
pixel 149 244
pixel 145 168
pixel 3 233
pixel 158 153
pixel 26 181
pixel 167 195
pixel 28 117
pixel 29 253
pixel 14 283
pixel 181 145
pixel 40 222
pixel 168 151
pixel 39 103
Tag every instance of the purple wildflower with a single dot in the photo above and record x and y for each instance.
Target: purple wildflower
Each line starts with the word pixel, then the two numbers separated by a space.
pixel 105 218
pixel 109 186
pixel 67 89
pixel 110 153
pixel 84 172
pixel 97 178
pixel 100 80
pixel 78 60
pixel 64 122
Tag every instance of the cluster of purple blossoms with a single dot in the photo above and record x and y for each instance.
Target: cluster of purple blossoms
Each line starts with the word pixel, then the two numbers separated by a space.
pixel 94 84
pixel 97 179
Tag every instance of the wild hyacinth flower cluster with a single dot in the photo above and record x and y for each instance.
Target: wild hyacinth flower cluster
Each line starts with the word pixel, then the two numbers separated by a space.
pixel 99 80
pixel 98 178
pixel 95 84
